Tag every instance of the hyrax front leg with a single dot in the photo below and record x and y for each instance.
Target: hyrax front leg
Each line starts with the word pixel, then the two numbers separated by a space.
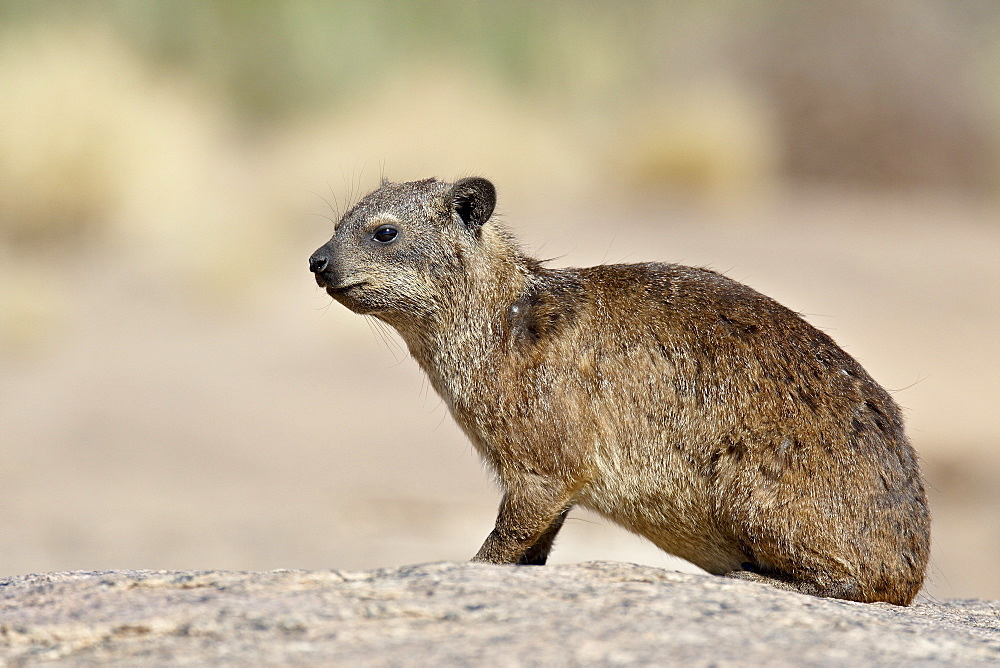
pixel 538 553
pixel 526 527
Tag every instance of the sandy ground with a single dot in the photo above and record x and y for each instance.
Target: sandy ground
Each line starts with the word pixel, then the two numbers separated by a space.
pixel 158 433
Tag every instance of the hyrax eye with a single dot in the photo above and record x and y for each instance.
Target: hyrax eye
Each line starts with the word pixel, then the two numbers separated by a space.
pixel 385 234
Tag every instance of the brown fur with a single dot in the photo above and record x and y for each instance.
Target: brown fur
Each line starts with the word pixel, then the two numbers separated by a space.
pixel 672 400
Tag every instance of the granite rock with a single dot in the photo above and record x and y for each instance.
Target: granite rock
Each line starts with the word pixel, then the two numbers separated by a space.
pixel 470 614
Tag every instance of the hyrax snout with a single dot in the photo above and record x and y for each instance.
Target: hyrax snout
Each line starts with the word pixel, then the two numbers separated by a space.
pixel 676 402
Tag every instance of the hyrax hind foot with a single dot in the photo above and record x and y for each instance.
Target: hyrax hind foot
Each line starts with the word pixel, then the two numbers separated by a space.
pixel 844 589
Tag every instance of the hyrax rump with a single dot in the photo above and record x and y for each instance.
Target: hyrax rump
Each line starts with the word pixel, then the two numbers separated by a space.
pixel 672 400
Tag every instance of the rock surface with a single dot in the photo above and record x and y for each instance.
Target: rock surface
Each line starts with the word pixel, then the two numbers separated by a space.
pixel 469 614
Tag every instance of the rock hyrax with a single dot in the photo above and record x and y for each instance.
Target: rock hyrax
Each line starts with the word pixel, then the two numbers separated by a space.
pixel 686 407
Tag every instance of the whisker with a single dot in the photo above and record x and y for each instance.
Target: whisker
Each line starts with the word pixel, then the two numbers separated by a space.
pixel 325 201
pixel 321 215
pixel 361 177
pixel 347 187
pixel 336 210
pixel 326 308
pixel 392 342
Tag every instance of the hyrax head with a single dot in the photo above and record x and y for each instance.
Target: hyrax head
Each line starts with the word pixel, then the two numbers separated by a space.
pixel 404 247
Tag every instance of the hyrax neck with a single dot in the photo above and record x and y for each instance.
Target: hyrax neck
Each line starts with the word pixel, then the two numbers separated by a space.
pixel 460 344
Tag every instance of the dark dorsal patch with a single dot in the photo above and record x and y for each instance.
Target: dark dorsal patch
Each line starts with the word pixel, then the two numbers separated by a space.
pixel 551 303
pixel 736 326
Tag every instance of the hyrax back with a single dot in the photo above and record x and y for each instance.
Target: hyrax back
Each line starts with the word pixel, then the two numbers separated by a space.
pixel 674 401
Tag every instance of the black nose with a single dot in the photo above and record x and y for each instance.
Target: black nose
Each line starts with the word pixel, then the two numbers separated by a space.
pixel 318 263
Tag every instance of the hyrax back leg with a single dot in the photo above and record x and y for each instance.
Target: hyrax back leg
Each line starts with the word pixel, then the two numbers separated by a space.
pixel 527 517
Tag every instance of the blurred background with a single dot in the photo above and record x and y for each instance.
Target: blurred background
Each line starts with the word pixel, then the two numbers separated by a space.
pixel 175 392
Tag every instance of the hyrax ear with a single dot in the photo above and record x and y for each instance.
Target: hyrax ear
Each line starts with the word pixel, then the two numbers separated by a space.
pixel 473 200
